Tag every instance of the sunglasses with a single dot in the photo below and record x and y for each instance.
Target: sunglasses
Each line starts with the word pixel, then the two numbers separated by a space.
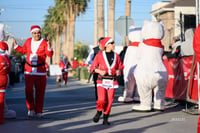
pixel 36 33
pixel 112 42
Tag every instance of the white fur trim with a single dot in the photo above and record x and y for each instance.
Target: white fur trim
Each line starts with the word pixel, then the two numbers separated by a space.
pixel 109 41
pixel 40 74
pixel 2 51
pixel 35 29
pixel 2 90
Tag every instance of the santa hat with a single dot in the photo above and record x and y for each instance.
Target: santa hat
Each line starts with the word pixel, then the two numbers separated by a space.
pixel 3 46
pixel 2 35
pixel 134 34
pixel 35 28
pixel 104 42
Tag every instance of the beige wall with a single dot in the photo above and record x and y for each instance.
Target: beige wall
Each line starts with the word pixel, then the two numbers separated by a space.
pixel 167 18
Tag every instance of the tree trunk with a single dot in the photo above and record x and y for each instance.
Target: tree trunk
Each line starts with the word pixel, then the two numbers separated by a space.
pixel 128 8
pixel 58 47
pixel 65 43
pixel 111 21
pixel 71 36
pixel 101 18
pixel 128 13
pixel 95 23
pixel 54 49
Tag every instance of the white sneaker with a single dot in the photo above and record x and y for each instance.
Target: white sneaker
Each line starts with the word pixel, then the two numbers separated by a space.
pixel 39 115
pixel 31 113
pixel 121 99
pixel 141 108
pixel 156 108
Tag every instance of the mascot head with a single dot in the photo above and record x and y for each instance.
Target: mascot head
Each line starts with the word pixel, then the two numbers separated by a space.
pixel 152 30
pixel 2 34
pixel 134 34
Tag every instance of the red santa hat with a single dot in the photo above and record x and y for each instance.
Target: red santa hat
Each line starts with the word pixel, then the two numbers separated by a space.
pixel 3 46
pixel 35 28
pixel 104 42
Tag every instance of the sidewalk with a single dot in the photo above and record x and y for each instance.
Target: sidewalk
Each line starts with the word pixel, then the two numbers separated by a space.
pixel 70 110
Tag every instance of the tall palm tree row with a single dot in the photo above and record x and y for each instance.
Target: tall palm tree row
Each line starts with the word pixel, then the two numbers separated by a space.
pixel 61 21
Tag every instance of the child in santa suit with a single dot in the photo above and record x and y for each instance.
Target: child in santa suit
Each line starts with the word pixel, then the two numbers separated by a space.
pixel 36 49
pixel 150 73
pixel 64 66
pixel 108 65
pixel 130 62
pixel 4 71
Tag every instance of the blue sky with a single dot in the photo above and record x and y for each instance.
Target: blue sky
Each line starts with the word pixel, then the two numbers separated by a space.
pixel 19 15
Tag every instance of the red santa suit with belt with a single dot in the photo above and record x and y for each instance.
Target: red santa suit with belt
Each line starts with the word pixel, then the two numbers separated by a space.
pixel 4 71
pixel 35 71
pixel 106 88
pixel 64 65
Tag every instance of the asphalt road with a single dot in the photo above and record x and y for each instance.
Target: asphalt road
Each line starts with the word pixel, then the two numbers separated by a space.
pixel 70 110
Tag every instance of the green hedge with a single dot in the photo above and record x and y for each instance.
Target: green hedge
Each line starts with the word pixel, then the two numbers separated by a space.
pixel 81 73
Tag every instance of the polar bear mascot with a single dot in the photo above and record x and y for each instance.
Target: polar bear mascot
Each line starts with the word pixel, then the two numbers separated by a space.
pixel 151 74
pixel 130 61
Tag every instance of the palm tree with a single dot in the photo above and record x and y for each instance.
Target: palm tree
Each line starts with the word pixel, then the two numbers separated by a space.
pixel 54 27
pixel 73 9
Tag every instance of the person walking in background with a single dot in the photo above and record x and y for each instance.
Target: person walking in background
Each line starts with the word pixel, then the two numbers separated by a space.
pixel 64 66
pixel 4 71
pixel 12 72
pixel 108 65
pixel 36 49
pixel 89 61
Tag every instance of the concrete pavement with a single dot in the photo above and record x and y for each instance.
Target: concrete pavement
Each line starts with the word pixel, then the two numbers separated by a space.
pixel 70 110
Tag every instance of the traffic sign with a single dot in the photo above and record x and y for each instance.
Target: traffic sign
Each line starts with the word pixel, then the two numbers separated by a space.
pixel 122 25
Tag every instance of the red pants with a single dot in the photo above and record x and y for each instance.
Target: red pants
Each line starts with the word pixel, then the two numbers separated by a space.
pixel 65 77
pixel 2 94
pixel 105 99
pixel 40 84
pixel 3 85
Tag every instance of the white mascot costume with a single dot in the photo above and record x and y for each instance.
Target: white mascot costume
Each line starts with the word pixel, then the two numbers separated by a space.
pixel 7 113
pixel 151 74
pixel 130 61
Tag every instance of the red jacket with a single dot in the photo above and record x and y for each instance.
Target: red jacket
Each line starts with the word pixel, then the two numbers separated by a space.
pixel 4 71
pixel 36 56
pixel 100 62
pixel 196 43
pixel 64 66
pixel 5 64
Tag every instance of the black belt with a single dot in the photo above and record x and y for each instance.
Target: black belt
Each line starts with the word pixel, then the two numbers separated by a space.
pixel 111 78
pixel 38 65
